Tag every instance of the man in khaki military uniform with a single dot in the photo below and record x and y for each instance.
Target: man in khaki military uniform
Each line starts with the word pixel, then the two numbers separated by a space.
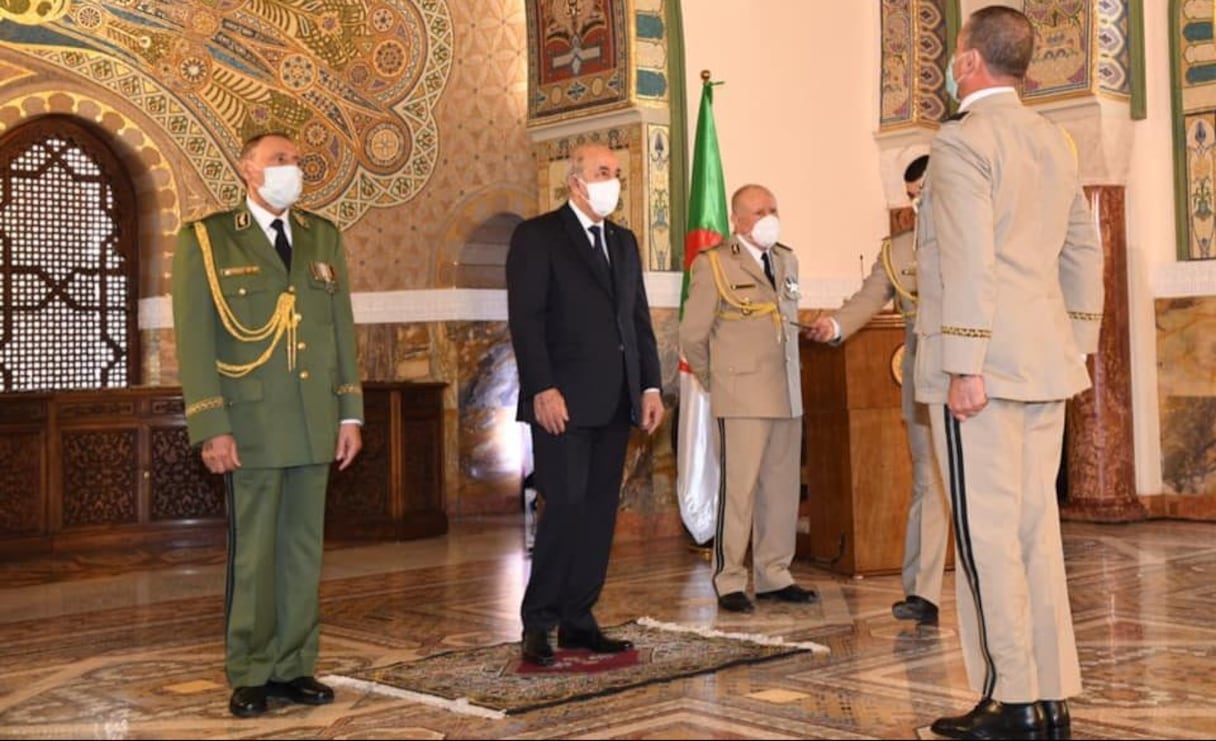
pixel 1010 276
pixel 266 349
pixel 740 337
pixel 893 277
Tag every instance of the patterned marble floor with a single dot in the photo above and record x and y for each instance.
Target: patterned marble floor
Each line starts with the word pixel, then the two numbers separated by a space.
pixel 132 647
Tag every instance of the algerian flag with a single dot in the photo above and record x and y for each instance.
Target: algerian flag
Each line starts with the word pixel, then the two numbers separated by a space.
pixel 697 468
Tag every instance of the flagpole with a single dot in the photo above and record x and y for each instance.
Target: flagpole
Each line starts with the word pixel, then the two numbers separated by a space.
pixel 698 474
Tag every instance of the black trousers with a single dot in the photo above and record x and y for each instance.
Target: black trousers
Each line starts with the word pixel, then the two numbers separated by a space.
pixel 578 474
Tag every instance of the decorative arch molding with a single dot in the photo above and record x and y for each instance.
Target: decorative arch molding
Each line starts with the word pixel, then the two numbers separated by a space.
pixel 142 156
pixel 466 217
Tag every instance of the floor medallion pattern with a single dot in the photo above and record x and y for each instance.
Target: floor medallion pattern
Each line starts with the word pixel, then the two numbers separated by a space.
pixel 93 648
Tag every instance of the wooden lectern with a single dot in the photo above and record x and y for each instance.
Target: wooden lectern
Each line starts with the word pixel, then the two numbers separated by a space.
pixel 856 467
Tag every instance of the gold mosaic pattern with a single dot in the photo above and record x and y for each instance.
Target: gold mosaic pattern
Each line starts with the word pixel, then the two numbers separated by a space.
pixel 913 59
pixel 354 82
pixel 86 653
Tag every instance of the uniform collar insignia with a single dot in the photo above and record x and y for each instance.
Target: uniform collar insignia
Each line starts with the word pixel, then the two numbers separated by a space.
pixel 243 219
pixel 301 218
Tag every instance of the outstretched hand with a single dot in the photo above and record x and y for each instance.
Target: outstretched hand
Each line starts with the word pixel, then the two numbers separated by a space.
pixel 822 329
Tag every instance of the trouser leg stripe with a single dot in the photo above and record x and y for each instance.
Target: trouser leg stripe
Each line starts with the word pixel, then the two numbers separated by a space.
pixel 229 576
pixel 962 531
pixel 719 553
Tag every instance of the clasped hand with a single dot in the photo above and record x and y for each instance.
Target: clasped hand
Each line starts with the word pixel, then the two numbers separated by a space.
pixel 967 396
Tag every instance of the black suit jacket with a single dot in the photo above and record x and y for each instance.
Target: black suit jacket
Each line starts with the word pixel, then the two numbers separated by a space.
pixel 573 326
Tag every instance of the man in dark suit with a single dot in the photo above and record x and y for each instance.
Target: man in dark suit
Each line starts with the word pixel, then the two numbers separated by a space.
pixel 266 350
pixel 588 369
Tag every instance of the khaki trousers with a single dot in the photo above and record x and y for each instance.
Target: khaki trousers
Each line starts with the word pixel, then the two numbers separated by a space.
pixel 757 500
pixel 928 531
pixel 1015 623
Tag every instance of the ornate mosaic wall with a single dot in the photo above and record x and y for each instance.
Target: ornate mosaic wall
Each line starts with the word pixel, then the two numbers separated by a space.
pixel 650 51
pixel 1193 68
pixel 913 63
pixel 658 198
pixel 1083 47
pixel 579 56
pixel 480 161
pixel 644 153
pixel 355 82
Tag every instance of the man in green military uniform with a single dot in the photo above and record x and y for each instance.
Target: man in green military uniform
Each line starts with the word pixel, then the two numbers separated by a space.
pixel 266 349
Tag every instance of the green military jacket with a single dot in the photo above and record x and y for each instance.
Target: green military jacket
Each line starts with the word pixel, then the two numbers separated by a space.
pixel 284 394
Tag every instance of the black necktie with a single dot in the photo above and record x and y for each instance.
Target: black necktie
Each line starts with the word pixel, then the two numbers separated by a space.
pixel 281 245
pixel 599 244
pixel 768 268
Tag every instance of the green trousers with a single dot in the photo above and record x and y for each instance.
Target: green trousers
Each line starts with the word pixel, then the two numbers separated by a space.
pixel 276 522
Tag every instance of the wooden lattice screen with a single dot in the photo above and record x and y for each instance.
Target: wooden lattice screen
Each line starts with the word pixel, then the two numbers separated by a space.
pixel 68 260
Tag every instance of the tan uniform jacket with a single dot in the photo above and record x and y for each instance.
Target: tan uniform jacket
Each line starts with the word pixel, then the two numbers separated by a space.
pixel 746 359
pixel 896 264
pixel 1017 299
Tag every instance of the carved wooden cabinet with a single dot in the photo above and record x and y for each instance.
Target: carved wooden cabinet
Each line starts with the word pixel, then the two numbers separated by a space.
pixel 114 468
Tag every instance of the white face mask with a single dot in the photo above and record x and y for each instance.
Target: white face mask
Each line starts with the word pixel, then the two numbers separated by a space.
pixel 281 186
pixel 766 231
pixel 603 196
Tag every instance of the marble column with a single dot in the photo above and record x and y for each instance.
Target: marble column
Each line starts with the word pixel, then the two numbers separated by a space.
pixel 1098 441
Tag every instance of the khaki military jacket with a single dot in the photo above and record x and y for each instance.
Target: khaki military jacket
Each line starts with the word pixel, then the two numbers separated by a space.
pixel 891 278
pixel 1009 259
pixel 738 334
pixel 295 385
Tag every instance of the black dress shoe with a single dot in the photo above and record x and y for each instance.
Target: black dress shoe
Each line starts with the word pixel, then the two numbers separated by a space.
pixel 735 602
pixel 535 648
pixel 991 719
pixel 595 641
pixel 791 593
pixel 247 702
pixel 302 690
pixel 1057 717
pixel 915 608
